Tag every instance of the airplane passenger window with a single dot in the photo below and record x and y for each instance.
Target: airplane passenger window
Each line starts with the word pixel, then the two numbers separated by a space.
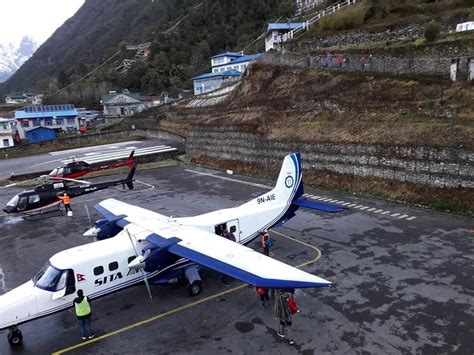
pixel 113 266
pixel 98 270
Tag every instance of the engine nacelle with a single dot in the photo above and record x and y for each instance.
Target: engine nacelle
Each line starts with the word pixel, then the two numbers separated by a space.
pixel 103 229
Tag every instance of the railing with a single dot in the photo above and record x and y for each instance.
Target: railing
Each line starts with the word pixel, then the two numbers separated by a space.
pixel 322 13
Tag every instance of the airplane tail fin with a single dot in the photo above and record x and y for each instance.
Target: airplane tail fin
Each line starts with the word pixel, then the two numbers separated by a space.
pixel 129 180
pixel 276 205
pixel 130 160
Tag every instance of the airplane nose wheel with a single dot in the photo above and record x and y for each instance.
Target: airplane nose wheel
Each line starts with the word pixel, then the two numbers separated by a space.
pixel 195 288
pixel 15 337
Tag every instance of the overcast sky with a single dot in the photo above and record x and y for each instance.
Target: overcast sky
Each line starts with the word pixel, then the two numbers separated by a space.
pixel 34 18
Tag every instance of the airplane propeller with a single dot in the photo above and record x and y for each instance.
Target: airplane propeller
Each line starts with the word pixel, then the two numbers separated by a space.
pixel 139 262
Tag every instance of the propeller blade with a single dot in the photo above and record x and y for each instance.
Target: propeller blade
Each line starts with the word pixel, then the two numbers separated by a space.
pixel 146 284
pixel 131 241
pixel 88 215
pixel 139 262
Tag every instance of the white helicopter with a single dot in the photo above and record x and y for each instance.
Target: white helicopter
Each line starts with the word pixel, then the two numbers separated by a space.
pixel 135 245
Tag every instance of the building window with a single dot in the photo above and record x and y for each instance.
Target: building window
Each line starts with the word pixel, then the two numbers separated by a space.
pixel 59 121
pixel 242 68
pixel 6 143
pixel 48 122
pixel 71 121
pixel 25 124
pixel 4 125
pixel 98 270
pixel 36 123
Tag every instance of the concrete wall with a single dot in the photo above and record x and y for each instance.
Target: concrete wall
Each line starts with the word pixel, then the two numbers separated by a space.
pixel 442 167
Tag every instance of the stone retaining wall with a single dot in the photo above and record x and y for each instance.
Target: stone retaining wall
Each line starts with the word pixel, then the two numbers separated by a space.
pixel 442 167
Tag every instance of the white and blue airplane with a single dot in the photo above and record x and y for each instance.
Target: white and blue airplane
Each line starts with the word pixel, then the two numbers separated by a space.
pixel 136 245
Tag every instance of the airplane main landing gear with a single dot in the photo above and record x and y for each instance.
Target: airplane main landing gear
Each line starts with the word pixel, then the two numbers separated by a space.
pixel 14 336
pixel 194 280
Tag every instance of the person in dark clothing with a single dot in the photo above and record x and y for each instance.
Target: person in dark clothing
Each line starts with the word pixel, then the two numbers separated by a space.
pixel 266 242
pixel 83 313
pixel 284 315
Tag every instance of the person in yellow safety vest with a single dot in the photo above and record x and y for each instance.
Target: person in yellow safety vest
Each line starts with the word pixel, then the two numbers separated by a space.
pixel 66 201
pixel 83 313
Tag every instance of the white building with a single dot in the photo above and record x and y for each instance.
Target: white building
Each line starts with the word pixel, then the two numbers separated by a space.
pixel 279 33
pixel 465 26
pixel 6 132
pixel 226 68
pixel 122 104
pixel 26 97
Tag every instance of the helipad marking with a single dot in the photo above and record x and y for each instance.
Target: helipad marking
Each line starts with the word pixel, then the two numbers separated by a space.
pixel 182 308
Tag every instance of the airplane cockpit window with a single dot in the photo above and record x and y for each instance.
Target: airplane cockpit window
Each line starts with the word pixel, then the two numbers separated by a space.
pixel 50 279
pixel 13 201
pixel 54 172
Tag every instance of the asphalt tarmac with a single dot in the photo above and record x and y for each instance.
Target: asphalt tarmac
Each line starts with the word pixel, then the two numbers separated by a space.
pixel 402 280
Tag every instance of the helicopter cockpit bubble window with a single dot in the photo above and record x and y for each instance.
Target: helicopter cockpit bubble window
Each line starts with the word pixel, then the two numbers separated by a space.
pixel 13 201
pixel 50 278
pixel 54 172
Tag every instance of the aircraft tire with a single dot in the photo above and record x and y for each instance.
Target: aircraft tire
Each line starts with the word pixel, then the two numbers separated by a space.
pixel 15 337
pixel 195 288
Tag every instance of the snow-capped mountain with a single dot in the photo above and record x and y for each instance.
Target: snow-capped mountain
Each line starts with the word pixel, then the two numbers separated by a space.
pixel 12 56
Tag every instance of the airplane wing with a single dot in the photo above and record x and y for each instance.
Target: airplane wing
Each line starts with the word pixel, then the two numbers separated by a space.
pixel 207 249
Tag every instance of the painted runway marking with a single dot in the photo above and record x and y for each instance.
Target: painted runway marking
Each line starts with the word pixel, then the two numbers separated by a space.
pixel 229 179
pixel 411 218
pixel 315 197
pixel 182 308
pixel 104 146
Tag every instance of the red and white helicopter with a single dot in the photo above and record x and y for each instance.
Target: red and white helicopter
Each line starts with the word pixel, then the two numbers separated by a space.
pixel 77 168
pixel 135 245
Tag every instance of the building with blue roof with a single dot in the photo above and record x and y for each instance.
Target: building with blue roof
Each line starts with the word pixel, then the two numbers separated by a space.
pixel 279 33
pixel 226 68
pixel 61 118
